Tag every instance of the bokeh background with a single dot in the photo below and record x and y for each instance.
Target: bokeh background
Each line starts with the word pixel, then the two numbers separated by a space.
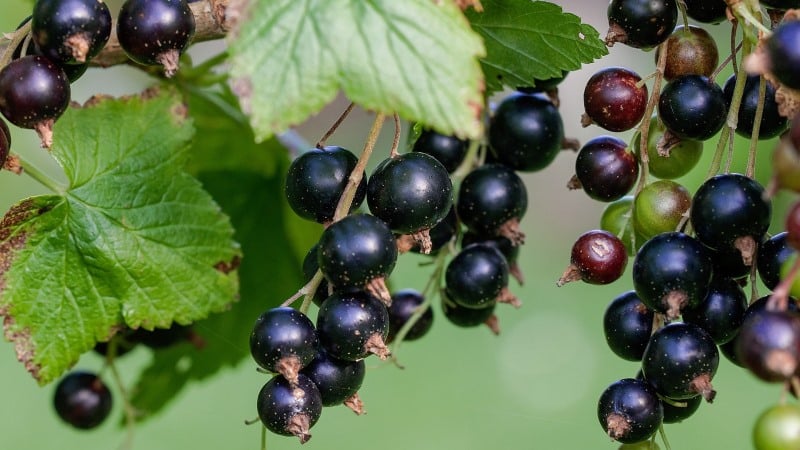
pixel 533 387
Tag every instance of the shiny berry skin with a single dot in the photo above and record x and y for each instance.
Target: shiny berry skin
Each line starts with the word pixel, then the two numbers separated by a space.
pixel 768 344
pixel 336 379
pixel 410 192
pixel 405 303
pixel 356 250
pixel 721 313
pixel 463 317
pixel 605 168
pixel 72 71
pixel 777 428
pixel 82 400
pixel 780 4
pixel 447 149
pixel 680 361
pixel 476 276
pixel 491 200
pixel 770 257
pixel 289 409
pixel 674 413
pixel 525 132
pixel 70 31
pixel 629 410
pixel 597 257
pixel 613 100
pixel 692 107
pixel 641 23
pixel 316 179
pixel 504 245
pixel 659 207
pixel 353 325
pixel 5 141
pixel 728 208
pixel 690 51
pixel 155 32
pixel 667 163
pixel 33 90
pixel 672 271
pixel 772 122
pixel 627 325
pixel 707 11
pixel 283 341
pixel 783 49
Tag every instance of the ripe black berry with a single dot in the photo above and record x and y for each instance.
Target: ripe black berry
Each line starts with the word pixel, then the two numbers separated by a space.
pixel 525 132
pixel 405 303
pixel 784 53
pixel 155 32
pixel 447 149
pixel 597 257
pixel 772 122
pixel 614 99
pixel 491 201
pixel 627 324
pixel 338 380
pixel 629 410
pixel 464 317
pixel 504 245
pixel 707 11
pixel 316 179
pixel 289 409
pixel 770 257
pixel 679 410
pixel 692 107
pixel 721 313
pixel 70 31
pixel 353 325
pixel 605 169
pixel 283 341
pixel 680 361
pixel 640 23
pixel 477 277
pixel 82 400
pixel 768 344
pixel 5 141
pixel 34 92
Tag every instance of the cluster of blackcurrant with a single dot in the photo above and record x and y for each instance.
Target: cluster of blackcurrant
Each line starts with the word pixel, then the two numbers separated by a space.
pixel 55 45
pixel 692 253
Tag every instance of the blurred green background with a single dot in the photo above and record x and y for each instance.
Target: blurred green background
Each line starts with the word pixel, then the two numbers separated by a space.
pixel 533 387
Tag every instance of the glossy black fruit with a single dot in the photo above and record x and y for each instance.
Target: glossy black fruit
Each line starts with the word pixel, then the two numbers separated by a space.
pixel 768 344
pixel 70 31
pixel 605 169
pixel 316 179
pixel 627 324
pixel 772 122
pixel 679 410
pixel 597 257
pixel 405 303
pixel 337 380
pixel 690 51
pixel 447 149
pixel 283 341
pixel 721 313
pixel 780 4
pixel 771 255
pixel 680 361
pixel 82 400
pixel 469 317
pixel 630 411
pixel 289 409
pixel 784 53
pixel 614 99
pixel 707 11
pixel 155 32
pixel 477 277
pixel 491 201
pixel 504 245
pixel 692 107
pixel 525 132
pixel 671 272
pixel 353 325
pixel 641 23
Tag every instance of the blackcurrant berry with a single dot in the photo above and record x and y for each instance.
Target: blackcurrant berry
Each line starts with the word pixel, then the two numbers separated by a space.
pixel 597 257
pixel 707 11
pixel 690 51
pixel 640 23
pixel 441 234
pixel 781 4
pixel 5 142
pixel 721 313
pixel 504 245
pixel 121 343
pixel 289 409
pixel 627 324
pixel 672 271
pixel 692 107
pixel 659 208
pixel 615 99
pixel 772 122
pixel 605 169
pixel 491 201
pixel 405 303
pixel 463 317
pixel 155 32
pixel 679 410
pixel 731 211
pixel 411 193
pixel 729 264
pixel 447 149
pixel 73 71
pixel 770 257
pixel 338 380
pixel 630 411
pixel 680 361
pixel 159 338
pixel 34 92
pixel 478 277
pixel 525 132
pixel 545 85
pixel 768 344
pixel 784 53
pixel 316 179
pixel 70 31
pixel 82 400
pixel 283 341
pixel 358 251
pixel 728 349
pixel 353 325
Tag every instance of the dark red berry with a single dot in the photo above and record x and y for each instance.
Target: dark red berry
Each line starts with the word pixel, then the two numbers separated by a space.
pixel 598 257
pixel 690 51
pixel 289 409
pixel 615 99
pixel 605 169
pixel 82 400
pixel 70 31
pixel 793 226
pixel 5 142
pixel 630 411
pixel 640 23
pixel 768 344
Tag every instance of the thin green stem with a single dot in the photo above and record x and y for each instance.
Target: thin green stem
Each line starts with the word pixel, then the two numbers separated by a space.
pixel 311 290
pixel 212 62
pixel 742 12
pixel 644 126
pixel 17 38
pixel 263 437
pixel 664 439
pixel 753 150
pixel 396 139
pixel 130 411
pixel 346 200
pixel 716 161
pixel 335 126
pixel 39 175
pixel 684 16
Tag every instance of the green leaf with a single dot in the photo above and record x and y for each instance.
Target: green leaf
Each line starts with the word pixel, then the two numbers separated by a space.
pixel 289 58
pixel 528 40
pixel 248 184
pixel 134 241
